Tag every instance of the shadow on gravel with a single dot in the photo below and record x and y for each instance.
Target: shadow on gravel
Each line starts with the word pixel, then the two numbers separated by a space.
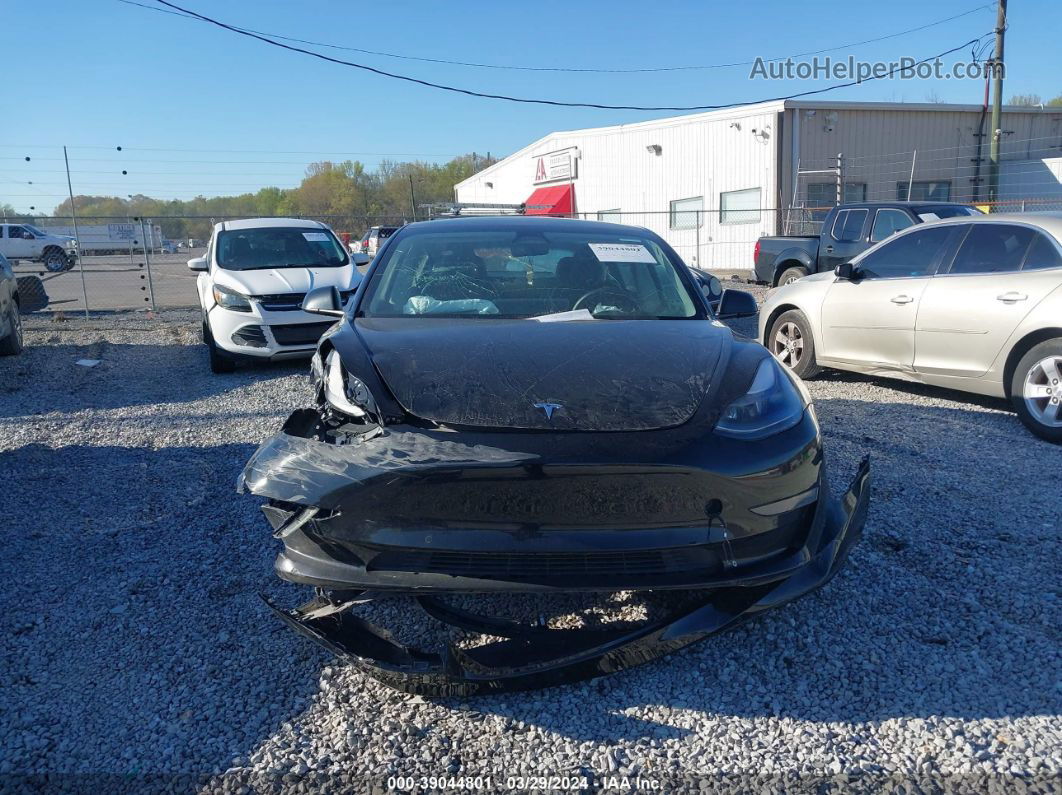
pixel 134 639
pixel 46 378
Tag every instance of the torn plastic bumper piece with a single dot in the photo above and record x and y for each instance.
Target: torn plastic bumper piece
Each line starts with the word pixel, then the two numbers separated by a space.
pixel 532 657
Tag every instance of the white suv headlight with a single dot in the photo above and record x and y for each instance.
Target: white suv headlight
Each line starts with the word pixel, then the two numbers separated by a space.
pixel 772 405
pixel 230 299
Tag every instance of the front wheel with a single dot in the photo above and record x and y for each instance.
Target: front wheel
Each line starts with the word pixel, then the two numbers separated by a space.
pixel 219 362
pixel 56 261
pixel 790 275
pixel 791 342
pixel 12 343
pixel 1036 390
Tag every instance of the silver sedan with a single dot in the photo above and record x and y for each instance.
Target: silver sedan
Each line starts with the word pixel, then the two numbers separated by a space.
pixel 969 303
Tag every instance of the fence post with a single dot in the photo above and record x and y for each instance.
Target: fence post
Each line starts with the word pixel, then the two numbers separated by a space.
pixel 697 250
pixel 910 181
pixel 147 260
pixel 77 237
pixel 839 192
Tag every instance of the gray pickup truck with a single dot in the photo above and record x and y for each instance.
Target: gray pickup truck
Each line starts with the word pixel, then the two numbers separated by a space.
pixel 847 230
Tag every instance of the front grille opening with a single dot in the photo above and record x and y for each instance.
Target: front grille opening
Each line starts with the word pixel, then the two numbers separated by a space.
pixel 547 566
pixel 300 333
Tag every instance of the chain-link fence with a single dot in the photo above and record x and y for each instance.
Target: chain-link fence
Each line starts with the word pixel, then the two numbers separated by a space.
pixel 127 263
pixel 1029 180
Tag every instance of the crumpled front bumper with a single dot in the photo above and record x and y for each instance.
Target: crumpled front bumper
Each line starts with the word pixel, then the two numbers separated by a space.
pixel 531 656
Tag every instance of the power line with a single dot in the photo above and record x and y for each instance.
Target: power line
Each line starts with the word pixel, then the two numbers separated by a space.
pixel 570 69
pixel 553 102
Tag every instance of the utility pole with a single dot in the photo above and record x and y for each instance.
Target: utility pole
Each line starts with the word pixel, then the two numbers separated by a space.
pixel 77 237
pixel 997 105
pixel 412 199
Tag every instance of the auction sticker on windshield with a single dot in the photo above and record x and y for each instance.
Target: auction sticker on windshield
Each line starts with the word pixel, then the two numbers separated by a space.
pixel 621 252
pixel 316 237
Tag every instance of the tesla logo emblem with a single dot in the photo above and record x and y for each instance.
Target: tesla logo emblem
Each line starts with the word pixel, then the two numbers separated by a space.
pixel 549 408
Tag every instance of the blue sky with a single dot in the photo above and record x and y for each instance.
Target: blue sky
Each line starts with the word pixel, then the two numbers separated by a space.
pixel 201 110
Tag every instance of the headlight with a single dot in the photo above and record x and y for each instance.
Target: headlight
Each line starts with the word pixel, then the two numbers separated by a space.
pixel 771 406
pixel 346 393
pixel 230 299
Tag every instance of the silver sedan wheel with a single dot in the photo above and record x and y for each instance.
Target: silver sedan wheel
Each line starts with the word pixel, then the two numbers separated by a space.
pixel 1043 391
pixel 788 344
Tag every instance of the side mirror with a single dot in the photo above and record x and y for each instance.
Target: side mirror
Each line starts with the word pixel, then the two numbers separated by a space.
pixel 736 303
pixel 846 271
pixel 197 264
pixel 359 258
pixel 324 301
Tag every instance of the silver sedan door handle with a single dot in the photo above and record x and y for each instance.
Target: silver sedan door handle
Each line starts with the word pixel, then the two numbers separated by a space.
pixel 901 299
pixel 1011 297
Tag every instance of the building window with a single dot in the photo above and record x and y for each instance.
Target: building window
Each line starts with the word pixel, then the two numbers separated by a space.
pixel 612 216
pixel 927 191
pixel 739 206
pixel 686 213
pixel 824 194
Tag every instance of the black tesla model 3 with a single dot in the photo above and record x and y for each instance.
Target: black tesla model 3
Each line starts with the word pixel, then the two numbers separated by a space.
pixel 541 404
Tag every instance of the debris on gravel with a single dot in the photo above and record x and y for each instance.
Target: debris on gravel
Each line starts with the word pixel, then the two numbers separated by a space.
pixel 136 646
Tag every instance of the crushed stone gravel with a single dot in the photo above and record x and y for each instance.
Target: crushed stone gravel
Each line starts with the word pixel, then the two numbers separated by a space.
pixel 135 645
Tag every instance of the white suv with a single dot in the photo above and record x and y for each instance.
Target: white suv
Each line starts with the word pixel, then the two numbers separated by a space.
pixel 252 281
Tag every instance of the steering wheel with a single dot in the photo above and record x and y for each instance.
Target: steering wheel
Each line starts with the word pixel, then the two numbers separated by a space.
pixel 625 302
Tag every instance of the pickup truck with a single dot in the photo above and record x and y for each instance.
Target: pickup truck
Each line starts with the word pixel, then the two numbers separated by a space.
pixel 847 230
pixel 28 242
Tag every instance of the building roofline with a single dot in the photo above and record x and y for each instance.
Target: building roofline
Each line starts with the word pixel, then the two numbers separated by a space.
pixel 744 110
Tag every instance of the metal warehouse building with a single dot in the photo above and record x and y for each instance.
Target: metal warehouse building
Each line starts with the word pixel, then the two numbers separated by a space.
pixel 712 183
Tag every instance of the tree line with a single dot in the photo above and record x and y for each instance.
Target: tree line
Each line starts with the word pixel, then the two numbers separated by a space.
pixel 352 196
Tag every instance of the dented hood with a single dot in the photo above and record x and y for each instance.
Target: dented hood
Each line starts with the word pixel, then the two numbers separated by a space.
pixel 600 375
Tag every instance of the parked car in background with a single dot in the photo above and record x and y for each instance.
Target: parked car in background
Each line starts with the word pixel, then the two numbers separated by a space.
pixel 10 317
pixel 971 303
pixel 252 281
pixel 168 247
pixel 847 230
pixel 31 243
pixel 372 240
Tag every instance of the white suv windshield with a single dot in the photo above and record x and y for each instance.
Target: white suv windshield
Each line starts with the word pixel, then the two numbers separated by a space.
pixel 278 247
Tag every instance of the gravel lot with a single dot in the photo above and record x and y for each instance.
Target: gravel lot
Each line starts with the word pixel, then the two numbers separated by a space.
pixel 135 643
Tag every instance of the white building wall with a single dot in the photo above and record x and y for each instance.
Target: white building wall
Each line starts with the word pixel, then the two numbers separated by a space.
pixel 703 155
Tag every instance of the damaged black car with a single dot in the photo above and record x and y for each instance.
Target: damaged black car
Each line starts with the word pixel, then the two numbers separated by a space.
pixel 532 405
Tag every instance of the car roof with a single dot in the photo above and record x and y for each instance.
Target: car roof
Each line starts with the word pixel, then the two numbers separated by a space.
pixel 267 223
pixel 1048 221
pixel 476 223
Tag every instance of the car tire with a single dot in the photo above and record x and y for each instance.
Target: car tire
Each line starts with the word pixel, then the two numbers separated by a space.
pixel 1036 390
pixel 790 275
pixel 219 362
pixel 791 342
pixel 55 260
pixel 12 343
